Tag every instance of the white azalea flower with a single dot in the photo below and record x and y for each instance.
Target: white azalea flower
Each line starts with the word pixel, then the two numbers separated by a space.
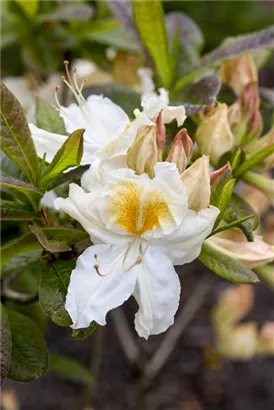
pixel 140 228
pixel 108 130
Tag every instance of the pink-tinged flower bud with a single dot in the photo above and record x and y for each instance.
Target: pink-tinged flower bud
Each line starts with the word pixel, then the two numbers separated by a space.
pixel 219 173
pixel 244 116
pixel 196 180
pixel 214 135
pixel 239 72
pixel 265 141
pixel 266 339
pixel 160 135
pixel 234 244
pixel 143 154
pixel 181 150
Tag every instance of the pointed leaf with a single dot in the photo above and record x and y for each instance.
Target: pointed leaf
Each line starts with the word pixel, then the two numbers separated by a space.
pixel 69 235
pixel 48 119
pixel 16 139
pixel 69 155
pixel 29 358
pixel 224 199
pixel 238 208
pixel 226 267
pixel 234 224
pixel 149 20
pixel 21 190
pixel 254 160
pixel 80 334
pixel 53 291
pixel 19 246
pixel 69 368
pixel 16 211
pixel 51 245
pixel 5 344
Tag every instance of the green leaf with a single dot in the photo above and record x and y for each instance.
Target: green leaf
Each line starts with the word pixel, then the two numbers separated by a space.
pixel 51 245
pixel 218 187
pixel 53 291
pixel 21 190
pixel 226 267
pixel 69 235
pixel 5 344
pixel 21 262
pixel 224 199
pixel 69 368
pixel 30 7
pixel 253 160
pixel 10 169
pixel 237 209
pixel 234 224
pixel 196 96
pixel 16 140
pixel 19 246
pixel 29 357
pixel 48 119
pixel 231 47
pixel 125 97
pixel 80 334
pixel 149 20
pixel 15 211
pixel 67 12
pixel 190 41
pixel 69 155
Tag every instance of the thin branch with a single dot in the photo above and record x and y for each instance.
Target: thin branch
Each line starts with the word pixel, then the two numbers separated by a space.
pixel 126 337
pixel 21 298
pixel 185 316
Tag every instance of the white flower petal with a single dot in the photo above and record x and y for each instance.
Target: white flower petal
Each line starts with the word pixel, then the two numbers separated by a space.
pixel 174 113
pixel 46 142
pixel 157 292
pixel 73 118
pixel 85 208
pixel 91 296
pixel 184 245
pixel 153 103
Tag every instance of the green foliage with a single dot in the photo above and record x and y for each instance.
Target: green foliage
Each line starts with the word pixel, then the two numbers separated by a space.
pixel 53 290
pixel 19 246
pixel 69 369
pixel 238 209
pixel 69 155
pixel 254 160
pixel 51 245
pixel 80 334
pixel 226 267
pixel 150 24
pixel 15 211
pixel 21 190
pixel 29 358
pixel 48 119
pixel 5 344
pixel 16 140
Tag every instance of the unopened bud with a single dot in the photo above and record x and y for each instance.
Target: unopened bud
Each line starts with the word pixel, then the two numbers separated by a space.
pixel 196 180
pixel 143 154
pixel 219 173
pixel 239 72
pixel 181 150
pixel 160 135
pixel 263 142
pixel 214 135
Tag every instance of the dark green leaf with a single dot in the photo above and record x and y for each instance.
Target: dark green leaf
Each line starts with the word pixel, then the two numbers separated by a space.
pixel 68 235
pixel 10 169
pixel 229 49
pixel 238 208
pixel 5 344
pixel 80 334
pixel 53 291
pixel 68 368
pixel 69 155
pixel 226 267
pixel 19 246
pixel 224 199
pixel 29 357
pixel 16 211
pixel 196 96
pixel 254 160
pixel 218 186
pixel 125 97
pixel 21 262
pixel 235 224
pixel 21 190
pixel 48 119
pixel 51 245
pixel 149 20
pixel 190 41
pixel 16 140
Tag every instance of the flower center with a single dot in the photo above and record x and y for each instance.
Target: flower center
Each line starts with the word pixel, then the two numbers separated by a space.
pixel 135 210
